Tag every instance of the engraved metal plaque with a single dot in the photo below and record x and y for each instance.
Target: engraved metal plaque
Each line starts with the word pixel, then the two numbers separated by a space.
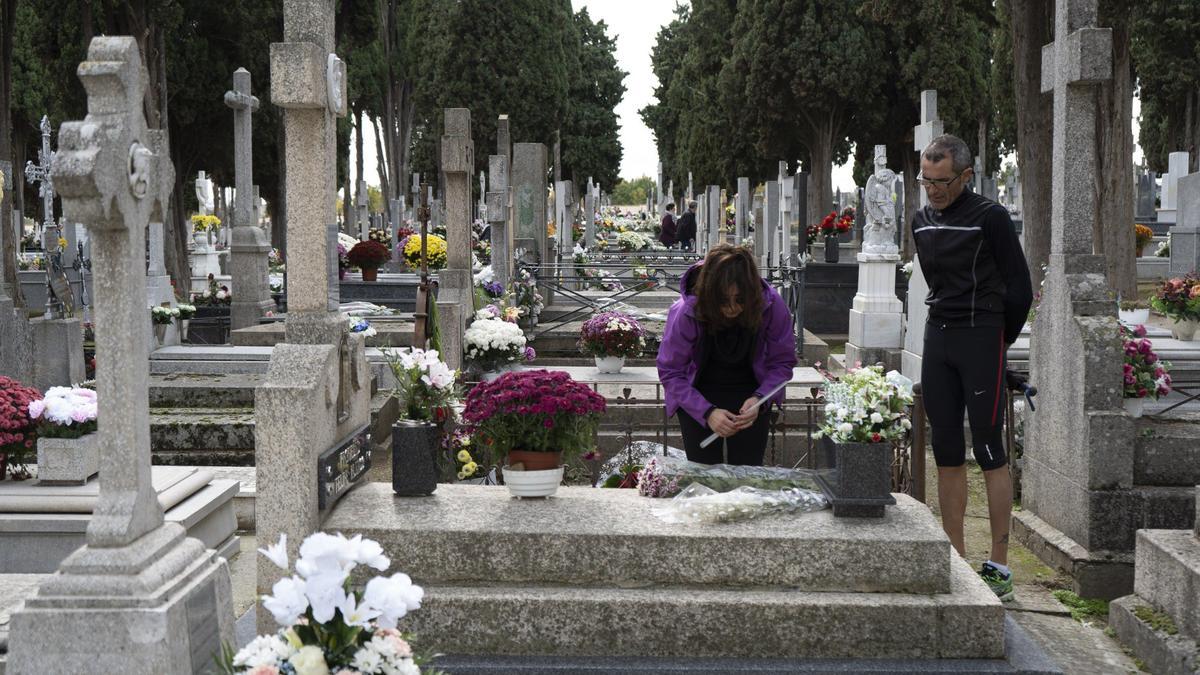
pixel 341 467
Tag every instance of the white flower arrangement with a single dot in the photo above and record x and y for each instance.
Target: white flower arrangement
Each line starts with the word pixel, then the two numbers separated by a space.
pixel 185 311
pixel 907 268
pixel 361 325
pixel 632 241
pixel 491 343
pixel 867 406
pixel 65 406
pixel 424 383
pixel 327 627
pixel 163 315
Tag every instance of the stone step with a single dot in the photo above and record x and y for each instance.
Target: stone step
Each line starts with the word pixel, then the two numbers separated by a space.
pixel 595 537
pixel 235 390
pixel 1167 450
pixel 967 623
pixel 202 436
pixel 1167 574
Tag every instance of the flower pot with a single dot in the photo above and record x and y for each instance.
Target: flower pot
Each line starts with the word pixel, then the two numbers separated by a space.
pixel 68 461
pixel 1184 329
pixel 183 326
pixel 493 375
pixel 542 483
pixel 1134 406
pixel 534 460
pixel 831 248
pixel 414 458
pixel 160 332
pixel 860 486
pixel 370 273
pixel 610 364
pixel 1134 317
pixel 200 239
pixel 1140 250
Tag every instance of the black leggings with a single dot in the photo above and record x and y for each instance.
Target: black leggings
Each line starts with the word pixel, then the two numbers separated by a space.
pixel 963 368
pixel 746 447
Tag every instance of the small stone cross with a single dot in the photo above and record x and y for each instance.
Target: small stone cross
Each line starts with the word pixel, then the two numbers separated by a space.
pixel 244 105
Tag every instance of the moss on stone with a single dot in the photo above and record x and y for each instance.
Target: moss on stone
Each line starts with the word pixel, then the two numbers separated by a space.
pixel 1082 608
pixel 1155 619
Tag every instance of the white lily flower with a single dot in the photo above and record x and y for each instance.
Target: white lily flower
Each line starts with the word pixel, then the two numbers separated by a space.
pixel 325 593
pixel 277 553
pixel 288 600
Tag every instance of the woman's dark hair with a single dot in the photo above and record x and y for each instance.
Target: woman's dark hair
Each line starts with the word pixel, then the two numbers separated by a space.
pixel 729 268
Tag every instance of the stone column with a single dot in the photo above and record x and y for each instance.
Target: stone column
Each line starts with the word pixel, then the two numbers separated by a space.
pixel 454 299
pixel 248 255
pixel 764 232
pixel 498 209
pixel 716 219
pixel 1185 235
pixel 136 576
pixel 914 333
pixel 741 210
pixel 589 215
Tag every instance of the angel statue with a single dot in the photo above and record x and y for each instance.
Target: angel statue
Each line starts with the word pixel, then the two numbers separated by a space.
pixel 879 233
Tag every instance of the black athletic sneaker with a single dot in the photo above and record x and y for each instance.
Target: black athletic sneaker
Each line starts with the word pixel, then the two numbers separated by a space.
pixel 1000 583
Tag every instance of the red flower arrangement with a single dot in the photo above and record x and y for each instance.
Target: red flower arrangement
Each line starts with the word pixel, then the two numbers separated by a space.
pixel 538 410
pixel 832 224
pixel 368 254
pixel 18 435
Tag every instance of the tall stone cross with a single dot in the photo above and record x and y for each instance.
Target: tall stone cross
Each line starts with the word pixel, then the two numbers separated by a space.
pixel 248 253
pixel 741 210
pixel 309 82
pixel 929 128
pixel 40 174
pixel 59 297
pixel 455 286
pixel 497 213
pixel 114 175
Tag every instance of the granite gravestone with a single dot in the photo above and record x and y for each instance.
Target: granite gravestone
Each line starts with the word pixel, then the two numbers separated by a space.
pixel 455 286
pixel 914 327
pixel 137 576
pixel 1185 234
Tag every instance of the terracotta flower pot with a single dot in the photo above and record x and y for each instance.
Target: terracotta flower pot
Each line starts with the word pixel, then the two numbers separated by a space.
pixel 370 273
pixel 534 460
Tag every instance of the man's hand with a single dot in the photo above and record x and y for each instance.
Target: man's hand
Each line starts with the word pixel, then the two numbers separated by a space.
pixel 747 414
pixel 723 422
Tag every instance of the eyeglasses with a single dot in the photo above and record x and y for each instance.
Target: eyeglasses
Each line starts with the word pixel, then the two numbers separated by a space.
pixel 942 183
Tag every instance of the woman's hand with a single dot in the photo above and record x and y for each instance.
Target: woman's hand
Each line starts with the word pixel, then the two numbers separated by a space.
pixel 748 413
pixel 723 422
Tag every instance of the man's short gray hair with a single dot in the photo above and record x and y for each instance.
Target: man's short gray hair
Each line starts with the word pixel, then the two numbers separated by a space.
pixel 948 145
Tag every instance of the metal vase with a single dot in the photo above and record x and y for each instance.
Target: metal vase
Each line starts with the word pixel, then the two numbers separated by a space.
pixel 414 458
pixel 831 248
pixel 160 332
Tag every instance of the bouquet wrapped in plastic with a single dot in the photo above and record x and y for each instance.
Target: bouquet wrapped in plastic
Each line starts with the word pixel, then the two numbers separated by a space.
pixel 668 476
pixel 700 504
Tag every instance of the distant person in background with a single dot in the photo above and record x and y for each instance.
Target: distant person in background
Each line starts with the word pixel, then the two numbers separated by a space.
pixel 686 232
pixel 667 231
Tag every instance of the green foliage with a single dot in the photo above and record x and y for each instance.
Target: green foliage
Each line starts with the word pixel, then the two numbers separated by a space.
pixel 1166 56
pixel 591 141
pixel 1082 609
pixel 666 59
pixel 632 193
pixel 1156 620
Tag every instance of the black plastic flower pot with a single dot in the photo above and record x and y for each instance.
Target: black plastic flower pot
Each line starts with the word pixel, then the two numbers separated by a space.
pixel 414 458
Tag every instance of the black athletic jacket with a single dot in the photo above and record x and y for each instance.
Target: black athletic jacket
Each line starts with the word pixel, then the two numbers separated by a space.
pixel 974 265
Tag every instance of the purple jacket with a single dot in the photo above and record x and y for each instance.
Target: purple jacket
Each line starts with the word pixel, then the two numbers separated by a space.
pixel 678 354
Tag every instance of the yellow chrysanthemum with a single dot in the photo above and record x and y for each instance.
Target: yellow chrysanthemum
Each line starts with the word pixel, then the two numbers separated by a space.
pixel 435 250
pixel 469 468
pixel 464 456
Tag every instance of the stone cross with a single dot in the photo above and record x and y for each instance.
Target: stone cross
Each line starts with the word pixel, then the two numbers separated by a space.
pixel 481 206
pixel 250 247
pixel 114 176
pixel 454 301
pixel 59 298
pixel 764 232
pixel 690 195
pixel 497 212
pixel 741 217
pixel 1185 234
pixel 40 174
pixel 929 128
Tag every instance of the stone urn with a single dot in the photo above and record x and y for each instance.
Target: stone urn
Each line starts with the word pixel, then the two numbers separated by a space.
pixel 832 251
pixel 200 239
pixel 414 458
pixel 68 461
pixel 610 364
pixel 860 485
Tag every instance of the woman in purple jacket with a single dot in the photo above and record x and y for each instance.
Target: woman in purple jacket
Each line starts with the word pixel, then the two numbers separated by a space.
pixel 728 340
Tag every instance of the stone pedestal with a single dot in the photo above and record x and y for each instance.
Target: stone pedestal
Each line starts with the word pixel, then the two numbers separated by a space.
pixel 58 352
pixel 206 262
pixel 876 323
pixel 248 269
pixel 162 604
pixel 16 342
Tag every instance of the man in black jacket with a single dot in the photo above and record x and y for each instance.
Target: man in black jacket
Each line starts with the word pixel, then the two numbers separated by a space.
pixel 979 297
pixel 686 233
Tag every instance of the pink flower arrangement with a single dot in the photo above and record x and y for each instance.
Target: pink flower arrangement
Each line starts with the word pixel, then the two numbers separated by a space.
pixel 18 433
pixel 538 410
pixel 1145 375
pixel 65 412
pixel 612 334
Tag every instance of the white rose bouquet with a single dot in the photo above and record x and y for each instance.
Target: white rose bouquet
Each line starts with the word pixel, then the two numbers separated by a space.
pixel 867 406
pixel 326 627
